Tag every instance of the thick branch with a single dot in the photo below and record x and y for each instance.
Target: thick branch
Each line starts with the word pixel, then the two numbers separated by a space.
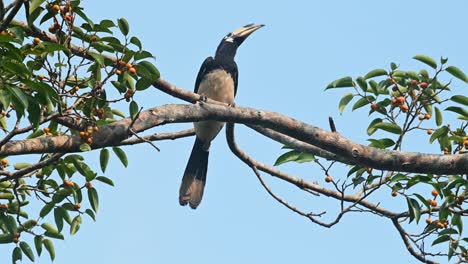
pixel 332 142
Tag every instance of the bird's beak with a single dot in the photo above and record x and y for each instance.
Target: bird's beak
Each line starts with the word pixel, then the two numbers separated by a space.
pixel 246 30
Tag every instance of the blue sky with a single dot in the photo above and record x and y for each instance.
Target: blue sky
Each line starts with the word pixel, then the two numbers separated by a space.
pixel 284 67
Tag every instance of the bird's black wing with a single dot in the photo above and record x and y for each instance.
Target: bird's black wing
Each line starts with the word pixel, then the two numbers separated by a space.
pixel 235 75
pixel 206 66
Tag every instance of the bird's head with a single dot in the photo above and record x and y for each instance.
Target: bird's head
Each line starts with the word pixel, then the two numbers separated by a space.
pixel 230 43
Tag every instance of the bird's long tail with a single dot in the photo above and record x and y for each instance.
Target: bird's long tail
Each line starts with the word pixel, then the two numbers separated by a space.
pixel 193 182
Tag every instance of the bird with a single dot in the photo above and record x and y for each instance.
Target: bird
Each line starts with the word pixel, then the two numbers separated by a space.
pixel 217 79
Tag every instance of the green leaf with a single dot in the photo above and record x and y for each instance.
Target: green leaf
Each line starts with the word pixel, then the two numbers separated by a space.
pixel 344 101
pixel 91 214
pixel 50 228
pixel 423 200
pixel 340 83
pixel 438 116
pixel 123 26
pixel 135 41
pixel 413 209
pixel 441 239
pixel 85 147
pixel 7 196
pixel 460 99
pixel 389 127
pixel 34 5
pixel 133 109
pixel 363 101
pixel 151 69
pixel 296 156
pixel 75 225
pixel 458 110
pixel 21 165
pixel 97 57
pixel 426 60
pixel 46 209
pixel 438 133
pixel 118 113
pixel 456 72
pixel 50 248
pixel 17 255
pixel 381 143
pixel 143 84
pixel 27 250
pixel 362 83
pixel 121 155
pixel 58 217
pixel 371 129
pixel 375 73
pixel 53 235
pixel 38 244
pixel 105 180
pixel 93 199
pixel 104 159
pixel 6 238
pixel 457 221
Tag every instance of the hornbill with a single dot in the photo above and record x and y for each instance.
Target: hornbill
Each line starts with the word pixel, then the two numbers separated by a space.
pixel 217 80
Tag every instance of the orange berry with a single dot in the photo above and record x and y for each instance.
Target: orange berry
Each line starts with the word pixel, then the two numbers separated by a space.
pixel 68 18
pixel 93 38
pixel 427 116
pixel 56 8
pixel 428 221
pixel 3 33
pixel 118 72
pixel 129 66
pixel 414 82
pixel 77 206
pixel 132 71
pixel 374 106
pixel 89 140
pixel 41 77
pixel 4 162
pixel 394 194
pixel 421 117
pixel 76 88
pixel 46 130
pixel 423 85
pixel 404 108
pixel 328 178
pixel 37 41
pixel 89 185
pixel 400 99
pixel 82 134
pixel 434 192
pixel 429 131
pixel 433 203
pixel 68 183
pixel 95 129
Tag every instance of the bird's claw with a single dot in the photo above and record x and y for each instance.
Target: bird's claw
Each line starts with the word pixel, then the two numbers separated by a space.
pixel 202 98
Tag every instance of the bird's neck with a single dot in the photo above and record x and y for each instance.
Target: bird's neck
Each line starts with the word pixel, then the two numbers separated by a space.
pixel 226 51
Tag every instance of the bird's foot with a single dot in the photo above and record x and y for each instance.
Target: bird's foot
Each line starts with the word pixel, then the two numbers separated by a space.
pixel 202 99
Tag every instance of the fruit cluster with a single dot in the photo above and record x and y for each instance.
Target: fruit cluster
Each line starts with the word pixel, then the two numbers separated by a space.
pixel 86 136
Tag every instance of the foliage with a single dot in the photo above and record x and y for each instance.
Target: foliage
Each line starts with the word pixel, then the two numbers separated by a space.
pixel 42 79
pixel 403 102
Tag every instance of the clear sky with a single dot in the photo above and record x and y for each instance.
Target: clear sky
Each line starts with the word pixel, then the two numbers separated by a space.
pixel 283 67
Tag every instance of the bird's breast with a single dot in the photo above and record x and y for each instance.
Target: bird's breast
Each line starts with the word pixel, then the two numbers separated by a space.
pixel 218 85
